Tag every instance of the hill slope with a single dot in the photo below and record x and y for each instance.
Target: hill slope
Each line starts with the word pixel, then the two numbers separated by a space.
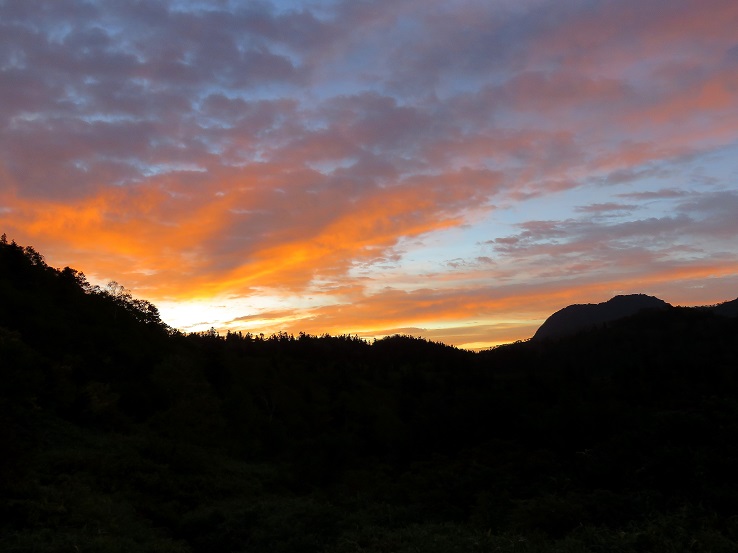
pixel 575 318
pixel 119 434
pixel 725 309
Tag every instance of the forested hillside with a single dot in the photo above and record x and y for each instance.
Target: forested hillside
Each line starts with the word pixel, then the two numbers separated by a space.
pixel 122 434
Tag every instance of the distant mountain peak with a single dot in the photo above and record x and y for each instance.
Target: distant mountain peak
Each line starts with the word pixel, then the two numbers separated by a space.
pixel 578 317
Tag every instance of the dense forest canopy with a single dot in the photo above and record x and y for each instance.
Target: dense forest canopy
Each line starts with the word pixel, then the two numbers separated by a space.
pixel 122 434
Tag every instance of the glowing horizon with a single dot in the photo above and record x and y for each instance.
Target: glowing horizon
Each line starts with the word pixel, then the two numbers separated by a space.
pixel 453 170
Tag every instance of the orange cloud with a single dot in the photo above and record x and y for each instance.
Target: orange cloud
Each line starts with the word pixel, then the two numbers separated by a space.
pixel 190 163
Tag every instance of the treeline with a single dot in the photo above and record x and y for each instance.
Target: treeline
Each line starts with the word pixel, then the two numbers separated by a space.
pixel 122 434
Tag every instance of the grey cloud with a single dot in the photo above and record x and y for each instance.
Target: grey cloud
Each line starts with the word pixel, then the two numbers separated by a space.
pixel 731 55
pixel 621 176
pixel 378 120
pixel 80 60
pixel 662 194
pixel 713 203
pixel 607 207
pixel 716 213
pixel 586 236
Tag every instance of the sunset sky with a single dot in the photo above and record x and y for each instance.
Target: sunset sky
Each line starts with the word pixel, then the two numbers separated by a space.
pixel 451 169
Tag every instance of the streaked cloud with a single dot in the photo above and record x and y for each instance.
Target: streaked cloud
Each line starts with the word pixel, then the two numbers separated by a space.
pixel 452 167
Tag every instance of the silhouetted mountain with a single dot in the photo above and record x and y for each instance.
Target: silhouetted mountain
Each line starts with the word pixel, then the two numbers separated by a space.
pixel 578 317
pixel 120 434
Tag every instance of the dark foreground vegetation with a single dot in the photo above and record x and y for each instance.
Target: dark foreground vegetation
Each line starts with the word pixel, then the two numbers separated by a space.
pixel 121 435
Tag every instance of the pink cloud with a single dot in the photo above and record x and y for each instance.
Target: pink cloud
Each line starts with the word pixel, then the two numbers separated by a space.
pixel 207 151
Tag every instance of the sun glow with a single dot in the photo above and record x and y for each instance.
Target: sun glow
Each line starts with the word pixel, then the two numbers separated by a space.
pixel 332 171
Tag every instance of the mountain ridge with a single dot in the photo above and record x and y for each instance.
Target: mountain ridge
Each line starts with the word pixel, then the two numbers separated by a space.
pixel 581 317
pixel 131 436
pixel 578 317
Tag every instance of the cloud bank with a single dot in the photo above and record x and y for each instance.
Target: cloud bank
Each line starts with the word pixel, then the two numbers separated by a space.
pixel 459 168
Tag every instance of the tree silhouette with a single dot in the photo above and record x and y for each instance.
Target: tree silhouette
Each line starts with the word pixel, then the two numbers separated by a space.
pixel 119 433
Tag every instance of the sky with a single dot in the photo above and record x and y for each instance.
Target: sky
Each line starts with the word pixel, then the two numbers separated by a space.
pixel 451 169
